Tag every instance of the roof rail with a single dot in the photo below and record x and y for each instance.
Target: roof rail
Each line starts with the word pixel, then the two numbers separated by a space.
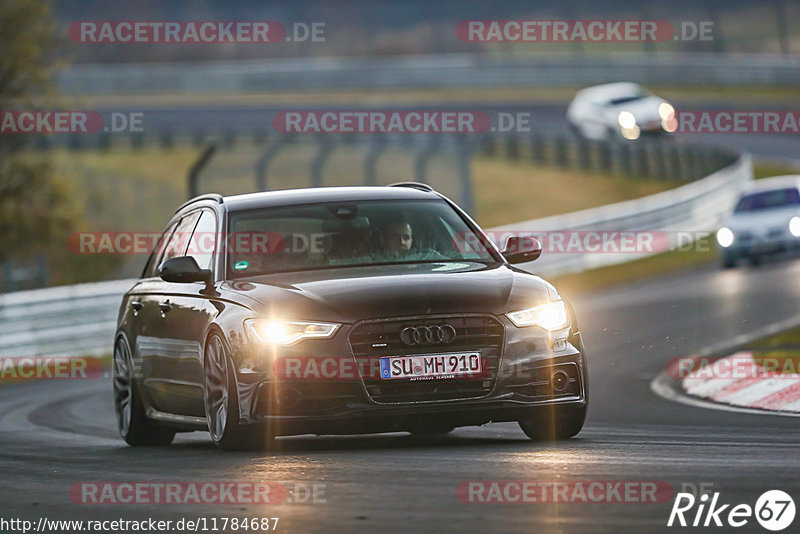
pixel 413 185
pixel 208 196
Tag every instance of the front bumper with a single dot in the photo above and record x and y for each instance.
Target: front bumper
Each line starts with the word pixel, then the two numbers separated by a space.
pixel 762 245
pixel 397 419
pixel 522 386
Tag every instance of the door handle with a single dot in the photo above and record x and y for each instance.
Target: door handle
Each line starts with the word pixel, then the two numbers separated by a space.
pixel 165 307
pixel 137 306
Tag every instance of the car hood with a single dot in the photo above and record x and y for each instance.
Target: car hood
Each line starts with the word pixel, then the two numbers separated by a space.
pixel 356 293
pixel 645 110
pixel 761 220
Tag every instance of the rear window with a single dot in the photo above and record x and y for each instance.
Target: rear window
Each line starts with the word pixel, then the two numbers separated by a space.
pixel 764 200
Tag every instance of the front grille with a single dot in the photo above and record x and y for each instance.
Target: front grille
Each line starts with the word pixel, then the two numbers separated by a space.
pixel 371 340
pixel 776 232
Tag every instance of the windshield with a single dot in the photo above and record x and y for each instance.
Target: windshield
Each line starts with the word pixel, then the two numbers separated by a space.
pixel 625 100
pixel 778 198
pixel 330 235
pixel 636 94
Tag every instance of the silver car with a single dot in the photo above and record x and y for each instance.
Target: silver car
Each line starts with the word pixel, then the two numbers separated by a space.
pixel 619 110
pixel 766 220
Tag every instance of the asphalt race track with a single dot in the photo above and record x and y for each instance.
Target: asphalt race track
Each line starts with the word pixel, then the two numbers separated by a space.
pixel 58 433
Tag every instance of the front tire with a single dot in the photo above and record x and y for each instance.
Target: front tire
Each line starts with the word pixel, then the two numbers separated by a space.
pixel 132 422
pixel 727 261
pixel 221 399
pixel 558 425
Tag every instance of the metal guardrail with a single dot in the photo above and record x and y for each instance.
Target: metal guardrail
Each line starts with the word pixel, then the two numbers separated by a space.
pixel 444 70
pixel 80 319
pixel 693 209
pixel 60 321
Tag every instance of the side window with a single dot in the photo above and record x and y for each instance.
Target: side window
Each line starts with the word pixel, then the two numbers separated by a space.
pixel 154 261
pixel 204 240
pixel 179 240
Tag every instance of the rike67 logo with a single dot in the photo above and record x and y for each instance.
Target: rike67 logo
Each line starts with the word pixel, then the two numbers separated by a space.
pixel 774 510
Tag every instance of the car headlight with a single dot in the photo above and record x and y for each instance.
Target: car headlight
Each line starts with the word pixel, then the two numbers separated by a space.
pixel 665 110
pixel 286 333
pixel 550 316
pixel 794 226
pixel 725 237
pixel 626 119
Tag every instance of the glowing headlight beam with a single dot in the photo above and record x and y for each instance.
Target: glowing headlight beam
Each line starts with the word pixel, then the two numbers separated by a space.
pixel 626 120
pixel 794 226
pixel 665 110
pixel 551 316
pixel 725 237
pixel 287 333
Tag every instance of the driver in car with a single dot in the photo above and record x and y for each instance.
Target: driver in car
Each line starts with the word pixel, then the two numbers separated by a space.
pixel 397 237
pixel 397 242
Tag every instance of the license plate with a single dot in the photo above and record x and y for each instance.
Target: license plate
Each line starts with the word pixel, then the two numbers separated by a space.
pixel 431 366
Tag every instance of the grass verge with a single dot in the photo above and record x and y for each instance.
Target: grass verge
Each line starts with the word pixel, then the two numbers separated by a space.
pixel 137 190
pixel 126 189
pixel 701 253
pixel 513 191
pixel 782 350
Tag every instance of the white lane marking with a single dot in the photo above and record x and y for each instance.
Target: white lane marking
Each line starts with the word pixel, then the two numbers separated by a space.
pixel 741 339
pixel 707 387
pixel 792 406
pixel 755 392
pixel 662 386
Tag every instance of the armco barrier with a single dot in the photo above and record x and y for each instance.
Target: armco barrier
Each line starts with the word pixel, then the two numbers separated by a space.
pixel 61 321
pixel 80 319
pixel 693 208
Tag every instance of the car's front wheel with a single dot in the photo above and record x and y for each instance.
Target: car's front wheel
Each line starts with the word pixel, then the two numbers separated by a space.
pixel 727 260
pixel 222 402
pixel 134 426
pixel 545 425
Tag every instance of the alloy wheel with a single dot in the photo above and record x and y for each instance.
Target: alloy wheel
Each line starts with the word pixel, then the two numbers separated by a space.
pixel 123 385
pixel 216 392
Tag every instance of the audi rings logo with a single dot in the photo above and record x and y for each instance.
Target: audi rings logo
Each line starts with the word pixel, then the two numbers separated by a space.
pixel 428 335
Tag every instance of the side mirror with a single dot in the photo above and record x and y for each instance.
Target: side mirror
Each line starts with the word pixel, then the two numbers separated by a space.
pixel 521 249
pixel 183 269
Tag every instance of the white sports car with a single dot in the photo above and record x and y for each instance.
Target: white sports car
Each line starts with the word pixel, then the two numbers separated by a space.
pixel 623 109
pixel 766 220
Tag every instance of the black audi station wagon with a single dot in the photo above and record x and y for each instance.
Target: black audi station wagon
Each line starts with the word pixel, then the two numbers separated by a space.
pixel 341 310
